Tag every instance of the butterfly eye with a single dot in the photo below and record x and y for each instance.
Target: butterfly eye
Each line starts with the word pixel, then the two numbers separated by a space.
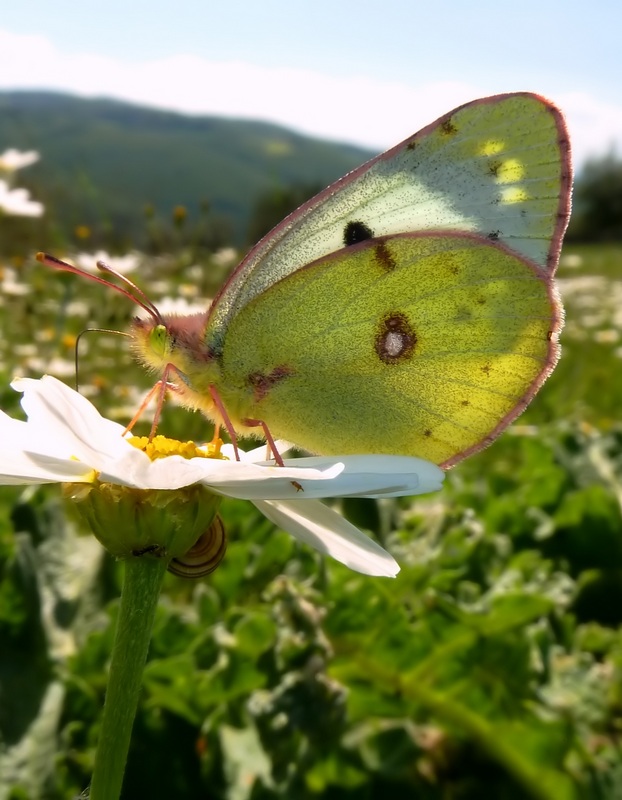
pixel 159 339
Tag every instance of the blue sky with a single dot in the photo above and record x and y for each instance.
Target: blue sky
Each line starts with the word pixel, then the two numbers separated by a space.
pixel 365 72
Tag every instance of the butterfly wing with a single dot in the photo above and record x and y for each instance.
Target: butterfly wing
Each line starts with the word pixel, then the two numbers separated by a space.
pixel 498 167
pixel 421 344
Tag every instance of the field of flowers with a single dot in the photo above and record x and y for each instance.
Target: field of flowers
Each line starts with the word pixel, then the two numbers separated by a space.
pixel 490 667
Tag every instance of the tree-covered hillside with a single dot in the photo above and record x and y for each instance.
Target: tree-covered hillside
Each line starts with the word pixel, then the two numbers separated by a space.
pixel 109 165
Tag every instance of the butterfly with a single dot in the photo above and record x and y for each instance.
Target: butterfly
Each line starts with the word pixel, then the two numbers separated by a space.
pixel 409 308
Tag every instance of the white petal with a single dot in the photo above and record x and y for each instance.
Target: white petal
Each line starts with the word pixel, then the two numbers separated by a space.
pixel 66 439
pixel 259 454
pixel 64 428
pixel 232 478
pixel 319 526
pixel 29 456
pixel 360 476
pixel 58 411
pixel 23 470
pixel 377 475
pixel 363 475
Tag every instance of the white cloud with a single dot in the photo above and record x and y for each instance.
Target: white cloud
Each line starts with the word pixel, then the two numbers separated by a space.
pixel 361 110
pixel 595 126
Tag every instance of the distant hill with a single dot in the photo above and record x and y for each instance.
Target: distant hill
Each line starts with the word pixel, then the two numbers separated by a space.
pixel 103 162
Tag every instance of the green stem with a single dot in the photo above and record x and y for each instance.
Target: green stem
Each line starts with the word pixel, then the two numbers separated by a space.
pixel 541 782
pixel 139 599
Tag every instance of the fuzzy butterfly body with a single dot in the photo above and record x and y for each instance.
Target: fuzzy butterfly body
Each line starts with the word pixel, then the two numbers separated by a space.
pixel 408 308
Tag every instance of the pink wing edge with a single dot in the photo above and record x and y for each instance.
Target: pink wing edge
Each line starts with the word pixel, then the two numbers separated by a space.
pixel 554 352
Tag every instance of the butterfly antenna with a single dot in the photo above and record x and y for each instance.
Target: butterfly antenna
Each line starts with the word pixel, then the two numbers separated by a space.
pixel 138 292
pixel 76 349
pixel 137 296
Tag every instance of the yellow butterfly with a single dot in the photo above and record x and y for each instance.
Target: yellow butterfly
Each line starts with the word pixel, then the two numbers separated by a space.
pixel 409 308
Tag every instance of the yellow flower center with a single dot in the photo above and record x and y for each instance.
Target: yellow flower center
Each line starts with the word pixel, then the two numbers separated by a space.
pixel 161 447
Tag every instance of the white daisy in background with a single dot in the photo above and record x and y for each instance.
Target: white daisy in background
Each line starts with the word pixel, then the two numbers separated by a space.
pixel 17 202
pixel 66 440
pixel 10 283
pixel 12 159
pixel 180 306
pixel 225 257
pixel 121 264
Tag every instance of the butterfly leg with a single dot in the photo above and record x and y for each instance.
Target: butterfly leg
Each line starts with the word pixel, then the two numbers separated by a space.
pixel 254 423
pixel 226 421
pixel 259 423
pixel 160 387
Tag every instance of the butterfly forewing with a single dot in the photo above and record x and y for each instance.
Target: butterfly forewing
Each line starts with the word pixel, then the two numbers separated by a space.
pixel 498 167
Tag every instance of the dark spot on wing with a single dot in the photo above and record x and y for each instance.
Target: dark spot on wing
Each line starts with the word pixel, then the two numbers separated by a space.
pixel 451 263
pixel 463 314
pixel 262 383
pixel 448 128
pixel 384 257
pixel 395 338
pixel 356 232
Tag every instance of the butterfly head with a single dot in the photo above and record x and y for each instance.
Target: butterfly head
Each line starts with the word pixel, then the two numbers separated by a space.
pixel 170 345
pixel 173 342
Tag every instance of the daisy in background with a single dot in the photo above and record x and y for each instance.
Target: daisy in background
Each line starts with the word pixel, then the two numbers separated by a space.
pixel 121 264
pixel 65 440
pixel 12 160
pixel 15 201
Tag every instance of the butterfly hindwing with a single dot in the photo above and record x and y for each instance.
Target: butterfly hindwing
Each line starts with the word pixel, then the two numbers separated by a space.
pixel 422 344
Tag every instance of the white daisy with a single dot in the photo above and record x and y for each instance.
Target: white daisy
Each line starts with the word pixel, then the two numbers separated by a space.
pixel 66 440
pixel 121 264
pixel 17 202
pixel 13 159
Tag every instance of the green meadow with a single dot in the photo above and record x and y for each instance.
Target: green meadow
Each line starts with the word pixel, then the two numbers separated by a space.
pixel 491 667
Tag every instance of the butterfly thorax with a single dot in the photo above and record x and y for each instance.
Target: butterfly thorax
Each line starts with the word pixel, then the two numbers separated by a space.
pixel 176 348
